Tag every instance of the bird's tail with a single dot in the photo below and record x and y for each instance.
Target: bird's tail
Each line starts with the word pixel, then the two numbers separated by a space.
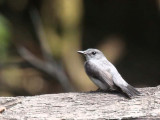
pixel 130 91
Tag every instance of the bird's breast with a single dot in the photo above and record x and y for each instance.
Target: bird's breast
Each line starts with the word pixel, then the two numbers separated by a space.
pixel 89 67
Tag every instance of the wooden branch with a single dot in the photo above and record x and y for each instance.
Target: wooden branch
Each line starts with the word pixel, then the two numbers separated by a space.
pixel 38 27
pixel 49 67
pixel 49 64
pixel 82 106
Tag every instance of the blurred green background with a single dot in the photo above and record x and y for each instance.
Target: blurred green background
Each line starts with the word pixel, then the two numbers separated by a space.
pixel 39 40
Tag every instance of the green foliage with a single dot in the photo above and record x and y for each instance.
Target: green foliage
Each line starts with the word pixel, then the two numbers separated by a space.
pixel 4 38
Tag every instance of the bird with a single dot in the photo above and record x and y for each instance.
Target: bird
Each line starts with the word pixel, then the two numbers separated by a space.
pixel 104 74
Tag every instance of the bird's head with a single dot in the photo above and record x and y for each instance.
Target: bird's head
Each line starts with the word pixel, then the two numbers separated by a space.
pixel 92 54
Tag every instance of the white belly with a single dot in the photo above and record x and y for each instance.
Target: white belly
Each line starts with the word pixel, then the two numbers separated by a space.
pixel 99 84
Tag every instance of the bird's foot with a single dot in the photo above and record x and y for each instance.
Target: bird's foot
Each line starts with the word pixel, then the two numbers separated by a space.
pixel 98 90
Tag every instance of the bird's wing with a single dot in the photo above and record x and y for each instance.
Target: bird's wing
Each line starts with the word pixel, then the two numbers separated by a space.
pixel 99 74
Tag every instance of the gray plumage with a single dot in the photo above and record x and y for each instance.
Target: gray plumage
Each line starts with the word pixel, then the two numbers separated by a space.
pixel 104 74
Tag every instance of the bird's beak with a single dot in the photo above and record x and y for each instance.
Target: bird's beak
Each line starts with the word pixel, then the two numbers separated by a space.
pixel 81 52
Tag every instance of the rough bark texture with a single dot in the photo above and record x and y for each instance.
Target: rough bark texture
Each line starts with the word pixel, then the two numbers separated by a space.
pixel 82 106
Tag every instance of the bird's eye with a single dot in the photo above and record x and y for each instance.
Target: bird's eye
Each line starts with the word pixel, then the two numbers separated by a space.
pixel 93 53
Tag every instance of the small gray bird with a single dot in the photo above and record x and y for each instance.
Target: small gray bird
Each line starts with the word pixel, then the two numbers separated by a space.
pixel 104 74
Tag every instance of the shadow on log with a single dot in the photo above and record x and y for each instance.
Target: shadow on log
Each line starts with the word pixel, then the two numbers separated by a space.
pixel 82 106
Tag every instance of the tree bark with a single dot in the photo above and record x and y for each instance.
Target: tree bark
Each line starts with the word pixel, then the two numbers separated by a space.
pixel 82 106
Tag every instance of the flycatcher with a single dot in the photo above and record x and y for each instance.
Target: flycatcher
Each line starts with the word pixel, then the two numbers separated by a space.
pixel 104 74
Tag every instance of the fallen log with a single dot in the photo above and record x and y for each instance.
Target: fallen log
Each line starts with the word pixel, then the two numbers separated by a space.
pixel 82 106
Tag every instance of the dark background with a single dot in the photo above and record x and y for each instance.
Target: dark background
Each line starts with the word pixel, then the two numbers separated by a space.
pixel 127 31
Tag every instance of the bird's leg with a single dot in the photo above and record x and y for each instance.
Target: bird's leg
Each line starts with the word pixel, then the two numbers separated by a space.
pixel 98 90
